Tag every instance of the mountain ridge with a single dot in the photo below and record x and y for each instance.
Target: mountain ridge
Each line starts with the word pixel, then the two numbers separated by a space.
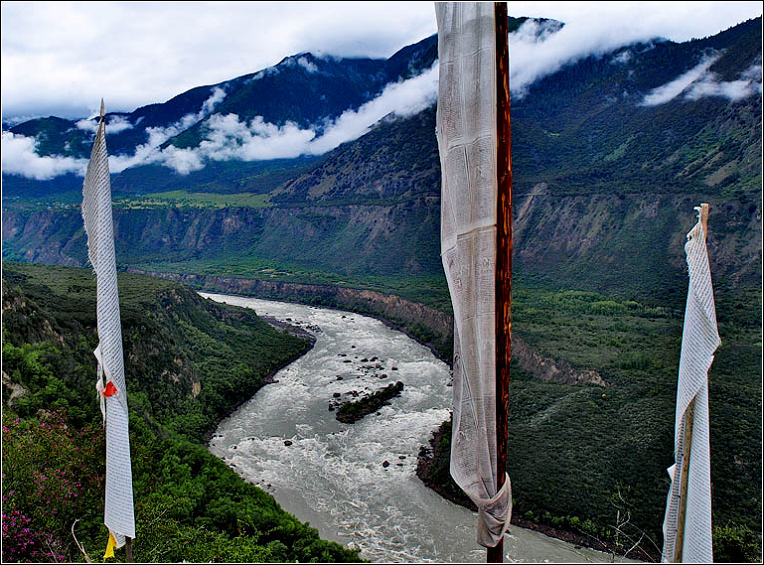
pixel 609 163
pixel 598 174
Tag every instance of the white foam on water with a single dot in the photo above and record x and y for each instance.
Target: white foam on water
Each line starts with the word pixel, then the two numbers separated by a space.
pixel 332 474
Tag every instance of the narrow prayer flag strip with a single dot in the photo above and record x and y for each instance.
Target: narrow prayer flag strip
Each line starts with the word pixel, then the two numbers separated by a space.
pixel 467 142
pixel 687 528
pixel 97 217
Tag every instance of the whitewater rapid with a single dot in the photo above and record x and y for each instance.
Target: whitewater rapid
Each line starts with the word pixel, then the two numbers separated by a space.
pixel 356 483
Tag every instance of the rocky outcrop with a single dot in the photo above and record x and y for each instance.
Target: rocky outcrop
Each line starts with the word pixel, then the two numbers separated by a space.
pixel 14 390
pixel 352 411
pixel 632 245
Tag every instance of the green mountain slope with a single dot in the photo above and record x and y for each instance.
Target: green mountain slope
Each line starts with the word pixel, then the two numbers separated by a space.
pixel 586 128
pixel 581 458
pixel 188 362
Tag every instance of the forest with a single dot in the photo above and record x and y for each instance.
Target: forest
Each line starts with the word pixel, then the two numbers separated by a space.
pixel 189 362
pixel 582 457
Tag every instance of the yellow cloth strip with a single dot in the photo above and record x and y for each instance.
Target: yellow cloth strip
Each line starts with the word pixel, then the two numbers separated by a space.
pixel 110 546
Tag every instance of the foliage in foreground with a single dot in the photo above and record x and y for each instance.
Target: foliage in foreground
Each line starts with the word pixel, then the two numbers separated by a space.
pixel 190 362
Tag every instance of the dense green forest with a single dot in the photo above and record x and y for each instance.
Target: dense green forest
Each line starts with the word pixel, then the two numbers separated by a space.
pixel 582 457
pixel 189 362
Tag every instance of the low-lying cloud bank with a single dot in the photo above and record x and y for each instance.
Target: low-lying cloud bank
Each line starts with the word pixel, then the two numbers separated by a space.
pixel 20 158
pixel 229 138
pixel 700 82
pixel 114 124
pixel 20 155
pixel 537 49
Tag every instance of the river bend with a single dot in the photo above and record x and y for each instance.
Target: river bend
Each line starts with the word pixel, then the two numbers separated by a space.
pixel 356 483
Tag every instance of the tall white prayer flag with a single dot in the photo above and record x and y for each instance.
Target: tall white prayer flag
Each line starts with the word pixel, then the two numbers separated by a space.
pixel 96 213
pixel 467 142
pixel 687 525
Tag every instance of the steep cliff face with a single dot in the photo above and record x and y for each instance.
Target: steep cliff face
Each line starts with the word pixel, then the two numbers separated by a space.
pixel 45 236
pixel 630 245
pixel 354 239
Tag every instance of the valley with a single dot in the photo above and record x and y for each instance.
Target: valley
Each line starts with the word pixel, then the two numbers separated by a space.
pixel 607 172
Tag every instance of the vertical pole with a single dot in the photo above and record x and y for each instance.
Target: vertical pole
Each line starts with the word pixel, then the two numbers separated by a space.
pixel 503 253
pixel 128 550
pixel 684 475
pixel 689 417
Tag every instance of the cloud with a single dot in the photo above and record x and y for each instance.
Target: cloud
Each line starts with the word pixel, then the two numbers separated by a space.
pixel 539 49
pixel 229 138
pixel 215 98
pixel 403 99
pixel 15 120
pixel 182 160
pixel 623 58
pixel 20 158
pixel 138 53
pixel 307 65
pixel 114 124
pixel 158 135
pixel 700 82
pixel 747 85
pixel 671 90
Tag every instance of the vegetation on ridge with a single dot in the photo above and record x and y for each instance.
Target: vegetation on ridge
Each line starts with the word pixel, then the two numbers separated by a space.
pixel 578 454
pixel 188 362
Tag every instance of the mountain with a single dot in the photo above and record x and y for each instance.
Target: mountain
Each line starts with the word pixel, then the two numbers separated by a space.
pixel 599 124
pixel 190 362
pixel 304 95
pixel 611 152
pixel 304 90
pixel 602 178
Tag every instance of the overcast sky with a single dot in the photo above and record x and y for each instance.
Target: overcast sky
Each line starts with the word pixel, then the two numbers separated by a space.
pixel 60 58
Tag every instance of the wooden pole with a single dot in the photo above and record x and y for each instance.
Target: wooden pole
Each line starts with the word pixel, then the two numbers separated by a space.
pixel 503 253
pixel 128 550
pixel 689 417
pixel 688 421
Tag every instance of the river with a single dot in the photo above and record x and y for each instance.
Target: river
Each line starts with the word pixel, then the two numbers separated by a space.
pixel 356 483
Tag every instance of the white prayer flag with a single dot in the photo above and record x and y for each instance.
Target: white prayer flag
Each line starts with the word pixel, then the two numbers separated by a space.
pixel 96 213
pixel 467 142
pixel 687 523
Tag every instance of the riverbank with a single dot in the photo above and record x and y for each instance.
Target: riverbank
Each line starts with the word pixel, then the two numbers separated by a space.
pixel 446 488
pixel 427 456
pixel 270 378
pixel 426 325
pixel 542 368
